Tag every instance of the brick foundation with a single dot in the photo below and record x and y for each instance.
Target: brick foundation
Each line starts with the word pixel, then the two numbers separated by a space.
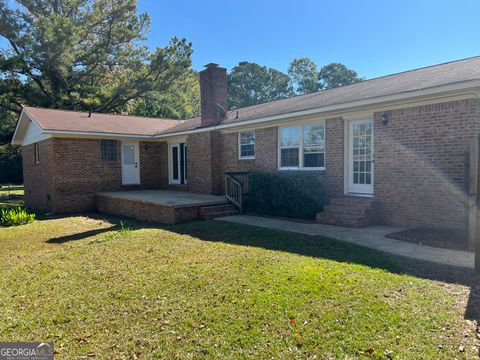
pixel 146 211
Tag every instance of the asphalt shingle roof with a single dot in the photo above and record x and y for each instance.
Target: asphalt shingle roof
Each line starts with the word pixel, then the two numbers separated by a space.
pixel 64 120
pixel 413 80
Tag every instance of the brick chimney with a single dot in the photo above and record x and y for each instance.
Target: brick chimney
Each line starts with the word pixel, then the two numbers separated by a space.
pixel 213 91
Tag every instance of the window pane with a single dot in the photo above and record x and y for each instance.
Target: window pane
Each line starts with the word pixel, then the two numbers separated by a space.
pixel 185 162
pixel 289 157
pixel 368 178
pixel 247 137
pixel 313 156
pixel 314 160
pixel 247 144
pixel 109 150
pixel 175 162
pixel 290 137
pixel 313 134
pixel 247 150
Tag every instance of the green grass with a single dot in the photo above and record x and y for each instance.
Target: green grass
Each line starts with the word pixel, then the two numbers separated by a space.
pixel 219 290
pixel 8 189
pixel 11 196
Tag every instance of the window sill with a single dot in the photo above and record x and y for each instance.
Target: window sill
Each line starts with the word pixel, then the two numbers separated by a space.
pixel 303 169
pixel 247 158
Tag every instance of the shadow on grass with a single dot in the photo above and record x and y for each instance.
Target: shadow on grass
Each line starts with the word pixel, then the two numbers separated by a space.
pixel 80 236
pixel 116 224
pixel 306 245
pixel 320 247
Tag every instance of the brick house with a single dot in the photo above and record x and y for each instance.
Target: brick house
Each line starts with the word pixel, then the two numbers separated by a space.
pixel 390 150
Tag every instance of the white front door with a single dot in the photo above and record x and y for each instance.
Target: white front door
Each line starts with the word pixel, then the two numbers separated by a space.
pixel 360 157
pixel 130 163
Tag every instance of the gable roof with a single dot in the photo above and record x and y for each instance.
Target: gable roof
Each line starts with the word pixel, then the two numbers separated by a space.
pixel 52 120
pixel 463 73
pixel 408 81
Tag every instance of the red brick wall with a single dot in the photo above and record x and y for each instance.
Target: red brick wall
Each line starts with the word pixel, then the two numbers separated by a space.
pixel 153 164
pixel 72 172
pixel 38 178
pixel 265 157
pixel 419 163
pixel 146 211
pixel 204 162
pixel 80 173
pixel 334 156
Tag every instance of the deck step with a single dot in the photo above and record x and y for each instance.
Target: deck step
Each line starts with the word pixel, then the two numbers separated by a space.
pixel 348 211
pixel 215 211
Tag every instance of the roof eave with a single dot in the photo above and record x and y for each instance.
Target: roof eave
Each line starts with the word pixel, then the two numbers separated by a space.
pixel 379 100
pixel 15 138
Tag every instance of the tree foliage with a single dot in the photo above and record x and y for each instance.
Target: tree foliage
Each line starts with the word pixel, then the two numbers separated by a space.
pixel 82 54
pixel 86 55
pixel 251 84
pixel 307 79
pixel 182 101
pixel 303 74
pixel 335 74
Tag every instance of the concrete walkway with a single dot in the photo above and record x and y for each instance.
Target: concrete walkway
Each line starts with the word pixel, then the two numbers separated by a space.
pixel 372 237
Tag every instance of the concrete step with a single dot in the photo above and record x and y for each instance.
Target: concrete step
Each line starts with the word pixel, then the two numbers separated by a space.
pixel 214 211
pixel 219 214
pixel 351 200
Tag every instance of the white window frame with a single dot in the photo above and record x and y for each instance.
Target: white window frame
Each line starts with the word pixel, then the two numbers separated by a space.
pixel 36 151
pixel 240 157
pixel 171 180
pixel 300 147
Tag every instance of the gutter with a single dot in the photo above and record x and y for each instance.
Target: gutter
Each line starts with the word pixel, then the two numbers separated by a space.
pixel 381 100
pixel 418 95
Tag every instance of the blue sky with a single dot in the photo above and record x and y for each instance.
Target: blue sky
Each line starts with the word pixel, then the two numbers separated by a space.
pixel 373 37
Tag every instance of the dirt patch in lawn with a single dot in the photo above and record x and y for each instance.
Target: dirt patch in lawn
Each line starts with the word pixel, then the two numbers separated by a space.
pixel 436 237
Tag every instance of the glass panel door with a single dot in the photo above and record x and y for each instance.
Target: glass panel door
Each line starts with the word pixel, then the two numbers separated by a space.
pixel 178 163
pixel 360 157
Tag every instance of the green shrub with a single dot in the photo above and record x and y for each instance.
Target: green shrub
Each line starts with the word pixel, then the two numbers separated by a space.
pixel 15 216
pixel 292 194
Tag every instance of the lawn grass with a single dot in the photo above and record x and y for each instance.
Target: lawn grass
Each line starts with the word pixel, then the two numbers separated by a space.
pixel 219 290
pixel 10 189
pixel 11 196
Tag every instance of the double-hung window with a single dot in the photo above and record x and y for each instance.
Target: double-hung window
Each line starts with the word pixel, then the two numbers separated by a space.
pixel 302 147
pixel 246 144
pixel 109 150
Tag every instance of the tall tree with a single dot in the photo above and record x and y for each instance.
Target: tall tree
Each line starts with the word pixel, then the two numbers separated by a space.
pixel 182 101
pixel 82 54
pixel 251 84
pixel 335 74
pixel 303 73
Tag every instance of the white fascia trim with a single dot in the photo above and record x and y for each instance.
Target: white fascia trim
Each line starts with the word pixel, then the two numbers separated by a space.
pixel 99 134
pixel 20 122
pixel 473 85
pixel 380 100
pixel 14 137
